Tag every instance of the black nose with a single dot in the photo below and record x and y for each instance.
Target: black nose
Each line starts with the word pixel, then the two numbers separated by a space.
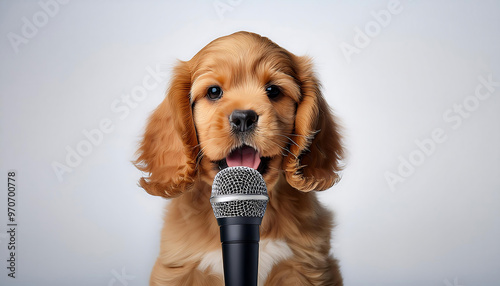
pixel 243 120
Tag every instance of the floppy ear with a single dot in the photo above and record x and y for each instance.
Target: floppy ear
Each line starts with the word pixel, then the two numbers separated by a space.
pixel 169 148
pixel 314 161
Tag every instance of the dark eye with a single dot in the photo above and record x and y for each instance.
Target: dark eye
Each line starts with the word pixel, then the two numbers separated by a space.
pixel 273 91
pixel 214 92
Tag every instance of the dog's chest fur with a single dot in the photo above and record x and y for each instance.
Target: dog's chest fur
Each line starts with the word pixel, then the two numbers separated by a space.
pixel 271 252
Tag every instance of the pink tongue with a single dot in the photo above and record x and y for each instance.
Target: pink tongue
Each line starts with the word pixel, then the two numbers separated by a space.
pixel 244 156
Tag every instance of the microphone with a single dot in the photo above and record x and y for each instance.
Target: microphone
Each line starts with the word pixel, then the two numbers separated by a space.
pixel 239 199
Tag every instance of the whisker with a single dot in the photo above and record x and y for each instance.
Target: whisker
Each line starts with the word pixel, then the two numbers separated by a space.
pixel 291 140
pixel 284 149
pixel 199 144
pixel 308 137
pixel 298 135
pixel 199 157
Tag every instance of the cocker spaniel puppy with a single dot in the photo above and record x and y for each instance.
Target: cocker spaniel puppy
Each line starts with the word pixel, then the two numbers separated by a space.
pixel 243 101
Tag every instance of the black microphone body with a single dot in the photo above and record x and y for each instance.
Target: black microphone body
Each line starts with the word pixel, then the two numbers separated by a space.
pixel 240 250
pixel 239 200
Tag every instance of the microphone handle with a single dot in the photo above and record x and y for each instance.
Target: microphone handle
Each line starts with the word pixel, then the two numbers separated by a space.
pixel 240 250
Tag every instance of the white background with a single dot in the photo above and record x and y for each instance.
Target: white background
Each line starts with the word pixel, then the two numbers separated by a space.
pixel 439 225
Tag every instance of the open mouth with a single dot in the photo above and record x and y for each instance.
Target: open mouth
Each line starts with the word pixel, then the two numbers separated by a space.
pixel 245 156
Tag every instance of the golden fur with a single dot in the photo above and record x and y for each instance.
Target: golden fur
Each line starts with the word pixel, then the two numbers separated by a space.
pixel 188 133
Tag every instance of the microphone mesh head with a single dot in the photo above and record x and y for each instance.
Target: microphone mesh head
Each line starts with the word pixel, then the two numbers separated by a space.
pixel 239 192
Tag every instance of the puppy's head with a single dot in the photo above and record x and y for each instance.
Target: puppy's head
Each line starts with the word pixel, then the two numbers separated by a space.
pixel 241 101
